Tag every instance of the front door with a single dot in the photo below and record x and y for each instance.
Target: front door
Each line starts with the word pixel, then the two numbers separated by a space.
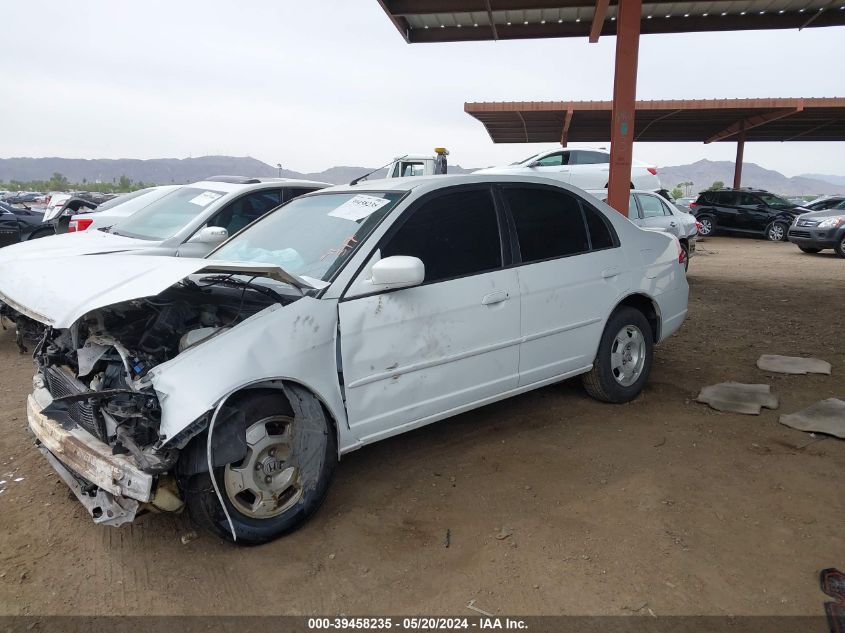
pixel 554 165
pixel 416 355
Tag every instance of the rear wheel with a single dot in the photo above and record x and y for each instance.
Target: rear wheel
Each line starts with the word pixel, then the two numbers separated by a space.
pixel 282 479
pixel 840 247
pixel 776 232
pixel 685 248
pixel 708 225
pixel 808 249
pixel 624 358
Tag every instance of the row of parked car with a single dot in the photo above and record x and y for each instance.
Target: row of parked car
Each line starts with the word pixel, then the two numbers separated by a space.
pixel 813 226
pixel 220 347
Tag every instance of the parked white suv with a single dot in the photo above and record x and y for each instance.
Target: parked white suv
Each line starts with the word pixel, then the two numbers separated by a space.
pixel 584 168
pixel 232 384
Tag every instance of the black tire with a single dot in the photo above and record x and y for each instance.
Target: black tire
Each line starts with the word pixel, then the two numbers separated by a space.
pixel 685 248
pixel 777 232
pixel 708 224
pixel 808 249
pixel 601 381
pixel 41 233
pixel 839 249
pixel 204 506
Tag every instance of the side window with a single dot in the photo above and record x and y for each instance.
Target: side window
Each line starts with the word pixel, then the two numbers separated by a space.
pixel 652 206
pixel 601 234
pixel 548 223
pixel 554 160
pixel 455 234
pixel 244 210
pixel 633 207
pixel 413 169
pixel 586 157
pixel 294 192
pixel 666 209
pixel 747 200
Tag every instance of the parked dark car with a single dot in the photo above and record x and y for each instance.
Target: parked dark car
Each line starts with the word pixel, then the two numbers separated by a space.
pixel 18 225
pixel 818 230
pixel 825 202
pixel 21 198
pixel 749 211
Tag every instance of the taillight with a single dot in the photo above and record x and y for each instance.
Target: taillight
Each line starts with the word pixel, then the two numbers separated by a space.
pixel 652 170
pixel 682 256
pixel 693 205
pixel 698 226
pixel 79 224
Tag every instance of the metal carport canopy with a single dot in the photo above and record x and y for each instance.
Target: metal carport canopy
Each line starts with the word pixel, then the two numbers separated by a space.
pixel 472 20
pixel 422 21
pixel 698 120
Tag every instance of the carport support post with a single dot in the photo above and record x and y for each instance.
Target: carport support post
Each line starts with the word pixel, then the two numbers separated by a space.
pixel 629 14
pixel 740 148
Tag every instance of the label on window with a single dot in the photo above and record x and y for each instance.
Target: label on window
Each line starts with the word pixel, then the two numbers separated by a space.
pixel 359 207
pixel 205 198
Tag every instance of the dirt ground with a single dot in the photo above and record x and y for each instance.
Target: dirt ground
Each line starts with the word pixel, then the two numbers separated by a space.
pixel 662 505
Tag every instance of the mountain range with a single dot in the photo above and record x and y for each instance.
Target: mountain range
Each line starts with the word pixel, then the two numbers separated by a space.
pixel 702 173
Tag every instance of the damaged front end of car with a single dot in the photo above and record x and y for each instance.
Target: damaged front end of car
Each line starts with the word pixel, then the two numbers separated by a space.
pixel 94 410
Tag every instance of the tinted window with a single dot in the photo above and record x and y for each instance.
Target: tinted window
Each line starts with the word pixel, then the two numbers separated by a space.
pixel 454 235
pixel 651 206
pixel 599 227
pixel 294 192
pixel 590 158
pixel 554 160
pixel 244 210
pixel 548 223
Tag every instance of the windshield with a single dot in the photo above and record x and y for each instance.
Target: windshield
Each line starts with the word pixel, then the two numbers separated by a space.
pixel 124 197
pixel 311 236
pixel 775 201
pixel 165 217
pixel 527 160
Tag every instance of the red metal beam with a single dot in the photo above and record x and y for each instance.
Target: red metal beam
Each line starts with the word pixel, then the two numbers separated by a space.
pixel 567 121
pixel 598 19
pixel 740 150
pixel 624 103
pixel 754 121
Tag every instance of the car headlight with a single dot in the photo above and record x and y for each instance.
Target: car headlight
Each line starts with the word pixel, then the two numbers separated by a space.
pixel 832 223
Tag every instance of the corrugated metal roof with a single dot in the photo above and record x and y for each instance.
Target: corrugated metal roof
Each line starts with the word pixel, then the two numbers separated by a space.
pixel 701 120
pixel 459 20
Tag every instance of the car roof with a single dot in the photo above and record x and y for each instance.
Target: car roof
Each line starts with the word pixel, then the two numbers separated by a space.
pixel 424 184
pixel 263 183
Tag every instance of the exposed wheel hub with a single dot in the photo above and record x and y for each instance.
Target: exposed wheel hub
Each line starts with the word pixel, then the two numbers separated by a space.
pixel 267 481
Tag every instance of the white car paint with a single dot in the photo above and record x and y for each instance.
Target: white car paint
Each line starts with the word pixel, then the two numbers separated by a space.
pixel 586 168
pixel 182 242
pixel 408 356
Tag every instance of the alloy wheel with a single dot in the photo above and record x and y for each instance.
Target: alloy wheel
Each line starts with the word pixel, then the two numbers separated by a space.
pixel 627 355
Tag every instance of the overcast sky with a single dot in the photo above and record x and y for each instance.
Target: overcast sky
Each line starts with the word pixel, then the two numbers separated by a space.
pixel 331 82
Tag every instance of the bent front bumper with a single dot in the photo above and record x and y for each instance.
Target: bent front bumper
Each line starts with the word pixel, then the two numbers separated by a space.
pixel 81 460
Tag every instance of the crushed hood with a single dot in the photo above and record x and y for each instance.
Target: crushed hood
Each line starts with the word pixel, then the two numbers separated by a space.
pixel 93 243
pixel 58 291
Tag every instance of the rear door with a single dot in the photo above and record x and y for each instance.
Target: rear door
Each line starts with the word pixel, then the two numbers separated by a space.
pixel 589 169
pixel 571 273
pixel 656 214
pixel 726 205
pixel 415 355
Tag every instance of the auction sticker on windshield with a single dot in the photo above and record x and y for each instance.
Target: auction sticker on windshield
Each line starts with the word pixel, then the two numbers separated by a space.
pixel 205 198
pixel 359 207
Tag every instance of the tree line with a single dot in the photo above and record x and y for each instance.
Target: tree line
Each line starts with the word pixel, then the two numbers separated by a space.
pixel 59 182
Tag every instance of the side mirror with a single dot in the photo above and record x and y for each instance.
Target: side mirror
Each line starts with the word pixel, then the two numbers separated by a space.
pixel 398 271
pixel 534 164
pixel 211 235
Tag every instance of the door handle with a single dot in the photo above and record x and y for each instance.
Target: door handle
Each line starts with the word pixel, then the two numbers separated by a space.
pixel 672 224
pixel 609 273
pixel 494 298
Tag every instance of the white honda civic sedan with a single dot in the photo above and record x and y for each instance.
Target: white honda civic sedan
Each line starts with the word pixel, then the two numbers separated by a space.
pixel 233 384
